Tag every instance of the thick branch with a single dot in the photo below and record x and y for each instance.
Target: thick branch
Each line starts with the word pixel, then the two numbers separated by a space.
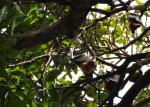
pixel 62 2
pixel 134 90
pixel 65 2
pixel 121 70
pixel 65 25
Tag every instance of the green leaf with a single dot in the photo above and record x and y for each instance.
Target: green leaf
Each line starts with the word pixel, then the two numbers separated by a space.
pixel 68 70
pixel 3 74
pixel 33 104
pixel 79 103
pixel 52 74
pixel 54 104
pixel 14 101
pixel 120 41
pixel 75 69
pixel 107 9
pixel 91 92
pixel 46 103
pixel 33 21
pixel 103 30
pixel 18 73
pixel 93 14
pixel 103 95
pixel 138 43
pixel 92 104
pixel 20 95
pixel 139 2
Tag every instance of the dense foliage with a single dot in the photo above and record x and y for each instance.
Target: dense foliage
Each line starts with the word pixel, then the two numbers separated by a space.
pixel 36 39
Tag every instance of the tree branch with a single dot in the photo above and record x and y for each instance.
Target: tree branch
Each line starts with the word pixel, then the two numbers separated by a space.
pixel 134 90
pixel 65 25
pixel 121 71
pixel 64 2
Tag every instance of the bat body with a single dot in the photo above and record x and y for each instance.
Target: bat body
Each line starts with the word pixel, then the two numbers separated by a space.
pixel 134 22
pixel 85 63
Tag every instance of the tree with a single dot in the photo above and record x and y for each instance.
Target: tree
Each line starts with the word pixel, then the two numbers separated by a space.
pixel 36 37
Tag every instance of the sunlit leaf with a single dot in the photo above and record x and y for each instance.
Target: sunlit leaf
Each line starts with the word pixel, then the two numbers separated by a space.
pixel 92 104
pixel 107 9
pixel 139 2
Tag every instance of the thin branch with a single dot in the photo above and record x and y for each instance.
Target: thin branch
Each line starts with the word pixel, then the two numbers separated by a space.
pixel 131 42
pixel 93 54
pixel 99 11
pixel 29 61
pixel 106 63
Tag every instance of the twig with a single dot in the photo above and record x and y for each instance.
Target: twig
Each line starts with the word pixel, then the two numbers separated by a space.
pixel 41 80
pixel 29 61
